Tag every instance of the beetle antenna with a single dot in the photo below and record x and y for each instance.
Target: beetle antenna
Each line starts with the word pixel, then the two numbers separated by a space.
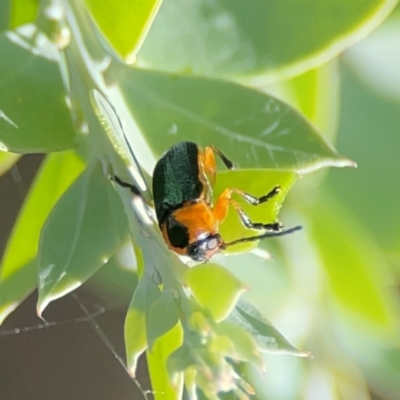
pixel 263 236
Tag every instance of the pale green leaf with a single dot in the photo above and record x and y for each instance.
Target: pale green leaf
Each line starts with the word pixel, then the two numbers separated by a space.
pixel 124 25
pixel 146 293
pixel 7 160
pixel 244 345
pixel 5 11
pixel 17 12
pixel 263 40
pixel 215 288
pixel 118 279
pixel 18 268
pixel 161 317
pixel 34 116
pixel 22 11
pixel 258 183
pixel 315 94
pixel 135 337
pixel 179 360
pixel 79 236
pixel 267 337
pixel 57 172
pixel 15 288
pixel 256 129
pixel 163 387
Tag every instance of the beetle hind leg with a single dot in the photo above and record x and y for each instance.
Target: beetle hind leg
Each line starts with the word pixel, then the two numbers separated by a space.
pixel 249 224
pixel 223 202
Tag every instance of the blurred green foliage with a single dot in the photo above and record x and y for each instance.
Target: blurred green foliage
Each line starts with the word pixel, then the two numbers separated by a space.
pixel 331 288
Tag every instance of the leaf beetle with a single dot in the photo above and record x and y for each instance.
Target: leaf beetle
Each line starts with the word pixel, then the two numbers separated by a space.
pixel 183 182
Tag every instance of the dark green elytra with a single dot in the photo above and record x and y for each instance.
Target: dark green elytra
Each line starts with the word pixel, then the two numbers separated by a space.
pixel 176 179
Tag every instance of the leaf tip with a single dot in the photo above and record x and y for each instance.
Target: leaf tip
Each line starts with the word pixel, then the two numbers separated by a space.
pixel 244 287
pixel 338 162
pixel 305 354
pixel 132 371
pixel 132 363
pixel 41 306
pixel 353 164
pixel 345 162
pixel 309 354
pixel 6 310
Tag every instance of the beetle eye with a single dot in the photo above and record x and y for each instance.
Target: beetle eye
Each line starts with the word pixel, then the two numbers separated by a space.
pixel 196 252
pixel 203 249
pixel 178 234
pixel 212 244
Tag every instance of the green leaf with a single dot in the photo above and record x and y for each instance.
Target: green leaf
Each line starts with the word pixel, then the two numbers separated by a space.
pixel 267 337
pixel 7 160
pixel 146 293
pixel 5 11
pixel 23 11
pixel 57 172
pixel 179 360
pixel 34 116
pixel 125 25
pixel 245 346
pixel 118 278
pixel 254 128
pixel 18 273
pixel 163 387
pixel 215 288
pixel 315 94
pixel 79 236
pixel 161 317
pixel 258 183
pixel 265 40
pixel 356 270
pixel 15 288
pixel 135 337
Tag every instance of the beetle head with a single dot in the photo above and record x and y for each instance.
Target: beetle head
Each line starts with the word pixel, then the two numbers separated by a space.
pixel 205 248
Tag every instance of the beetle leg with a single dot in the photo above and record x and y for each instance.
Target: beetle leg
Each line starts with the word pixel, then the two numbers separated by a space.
pixel 132 188
pixel 209 159
pixel 255 201
pixel 209 164
pixel 223 202
pixel 222 205
pixel 249 224
pixel 228 163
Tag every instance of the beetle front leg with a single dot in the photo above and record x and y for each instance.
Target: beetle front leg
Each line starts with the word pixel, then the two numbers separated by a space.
pixel 210 165
pixel 227 162
pixel 255 201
